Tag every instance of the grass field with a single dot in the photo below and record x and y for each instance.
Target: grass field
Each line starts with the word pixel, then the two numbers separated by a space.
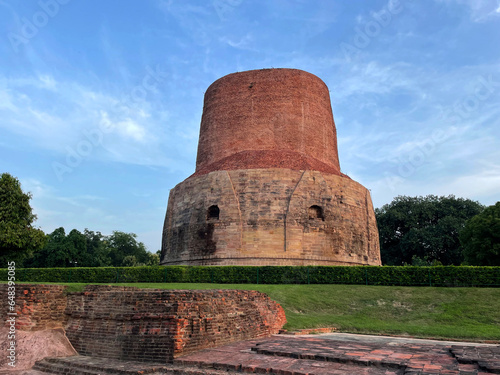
pixel 446 313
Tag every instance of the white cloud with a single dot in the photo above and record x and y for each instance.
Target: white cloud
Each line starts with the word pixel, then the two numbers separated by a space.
pixel 376 78
pixel 423 145
pixel 47 82
pixel 483 10
pixel 127 128
pixel 57 115
pixel 244 43
pixel 35 187
pixel 482 185
pixel 6 100
pixel 479 10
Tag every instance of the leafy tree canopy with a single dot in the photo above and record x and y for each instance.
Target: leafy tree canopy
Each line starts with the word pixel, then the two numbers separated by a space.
pixel 423 228
pixel 122 245
pixel 92 249
pixel 480 238
pixel 18 238
pixel 85 249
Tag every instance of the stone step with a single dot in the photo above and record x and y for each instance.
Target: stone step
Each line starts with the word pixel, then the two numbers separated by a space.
pixel 84 365
pixel 313 356
pixel 93 364
pixel 294 357
pixel 246 362
pixel 356 356
pixel 487 358
pixel 251 362
pixel 58 368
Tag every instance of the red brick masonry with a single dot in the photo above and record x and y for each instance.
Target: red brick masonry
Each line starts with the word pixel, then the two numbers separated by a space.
pixel 159 325
pixel 271 115
pixel 38 307
pixel 152 325
pixel 116 323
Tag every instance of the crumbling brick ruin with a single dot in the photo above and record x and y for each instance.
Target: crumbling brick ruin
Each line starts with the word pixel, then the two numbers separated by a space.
pixel 268 189
pixel 155 325
pixel 145 325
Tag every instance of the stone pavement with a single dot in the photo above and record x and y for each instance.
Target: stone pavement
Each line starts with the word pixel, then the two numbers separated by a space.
pixel 394 340
pixel 325 354
pixel 301 355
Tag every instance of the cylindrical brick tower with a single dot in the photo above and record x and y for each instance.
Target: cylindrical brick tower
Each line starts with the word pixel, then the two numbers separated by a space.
pixel 272 118
pixel 267 188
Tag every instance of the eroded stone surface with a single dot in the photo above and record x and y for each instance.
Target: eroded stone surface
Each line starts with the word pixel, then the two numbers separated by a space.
pixel 32 346
pixel 265 218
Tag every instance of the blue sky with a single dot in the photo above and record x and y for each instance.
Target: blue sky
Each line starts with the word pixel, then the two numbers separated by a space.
pixel 100 101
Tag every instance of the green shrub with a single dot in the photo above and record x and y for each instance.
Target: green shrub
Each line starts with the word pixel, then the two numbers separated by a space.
pixel 367 275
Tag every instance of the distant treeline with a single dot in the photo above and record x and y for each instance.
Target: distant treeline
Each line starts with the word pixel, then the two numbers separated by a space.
pixel 91 249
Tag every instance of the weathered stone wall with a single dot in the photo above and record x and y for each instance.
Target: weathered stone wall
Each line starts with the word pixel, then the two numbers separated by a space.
pixel 267 118
pixel 271 216
pixel 268 189
pixel 38 307
pixel 158 325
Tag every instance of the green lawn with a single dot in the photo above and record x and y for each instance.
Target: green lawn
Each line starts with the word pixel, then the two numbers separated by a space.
pixel 451 313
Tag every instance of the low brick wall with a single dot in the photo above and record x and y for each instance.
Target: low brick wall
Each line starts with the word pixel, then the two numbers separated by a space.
pixel 38 307
pixel 149 325
pixel 159 325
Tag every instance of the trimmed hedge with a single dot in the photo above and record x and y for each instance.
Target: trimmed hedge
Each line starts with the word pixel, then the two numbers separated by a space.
pixel 366 275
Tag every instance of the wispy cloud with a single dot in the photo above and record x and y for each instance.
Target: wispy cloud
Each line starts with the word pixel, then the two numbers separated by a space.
pixel 479 10
pixel 244 42
pixel 56 115
pixel 376 78
pixel 444 123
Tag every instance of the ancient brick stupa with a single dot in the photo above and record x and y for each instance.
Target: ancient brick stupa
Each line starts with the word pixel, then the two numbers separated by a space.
pixel 267 189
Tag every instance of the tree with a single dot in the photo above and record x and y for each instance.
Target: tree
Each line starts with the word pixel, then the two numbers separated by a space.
pixel 480 238
pixel 18 238
pixel 423 228
pixel 130 261
pixel 92 249
pixel 97 251
pixel 121 245
pixel 55 253
pixel 87 249
pixel 153 259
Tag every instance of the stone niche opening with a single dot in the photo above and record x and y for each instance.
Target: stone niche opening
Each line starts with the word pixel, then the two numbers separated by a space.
pixel 213 212
pixel 316 213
